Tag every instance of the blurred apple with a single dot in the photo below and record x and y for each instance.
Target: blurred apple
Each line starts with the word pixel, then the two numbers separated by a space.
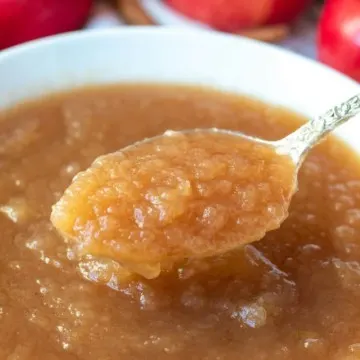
pixel 24 20
pixel 339 36
pixel 286 11
pixel 234 15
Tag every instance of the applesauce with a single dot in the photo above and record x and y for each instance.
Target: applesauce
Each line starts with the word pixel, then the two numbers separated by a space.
pixel 177 197
pixel 295 294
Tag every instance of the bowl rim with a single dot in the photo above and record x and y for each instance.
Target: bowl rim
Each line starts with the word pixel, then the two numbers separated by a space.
pixel 171 31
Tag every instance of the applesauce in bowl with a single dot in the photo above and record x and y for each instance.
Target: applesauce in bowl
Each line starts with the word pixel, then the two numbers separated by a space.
pixel 290 295
pixel 293 294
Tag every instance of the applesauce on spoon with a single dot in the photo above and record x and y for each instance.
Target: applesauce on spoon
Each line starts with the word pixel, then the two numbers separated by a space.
pixel 176 197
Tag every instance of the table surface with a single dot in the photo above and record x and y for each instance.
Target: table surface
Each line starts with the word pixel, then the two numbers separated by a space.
pixel 301 40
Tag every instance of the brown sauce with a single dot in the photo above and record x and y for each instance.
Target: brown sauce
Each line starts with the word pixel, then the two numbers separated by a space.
pixel 293 295
pixel 176 197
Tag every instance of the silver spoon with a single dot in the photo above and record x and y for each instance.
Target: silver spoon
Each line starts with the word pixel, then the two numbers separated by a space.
pixel 295 146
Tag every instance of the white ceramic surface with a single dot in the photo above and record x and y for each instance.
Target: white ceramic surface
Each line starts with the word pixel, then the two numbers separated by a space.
pixel 174 55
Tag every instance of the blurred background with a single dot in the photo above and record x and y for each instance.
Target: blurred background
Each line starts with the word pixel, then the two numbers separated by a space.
pixel 328 31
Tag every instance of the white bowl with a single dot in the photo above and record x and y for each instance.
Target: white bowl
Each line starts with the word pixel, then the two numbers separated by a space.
pixel 174 55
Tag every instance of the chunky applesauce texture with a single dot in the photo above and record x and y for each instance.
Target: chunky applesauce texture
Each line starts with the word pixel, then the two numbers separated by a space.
pixel 292 295
pixel 176 197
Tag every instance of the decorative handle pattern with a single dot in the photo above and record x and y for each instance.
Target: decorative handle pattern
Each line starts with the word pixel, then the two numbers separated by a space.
pixel 302 140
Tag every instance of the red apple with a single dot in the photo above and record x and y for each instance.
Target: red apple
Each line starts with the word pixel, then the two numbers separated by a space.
pixel 225 15
pixel 234 15
pixel 24 20
pixel 286 11
pixel 338 37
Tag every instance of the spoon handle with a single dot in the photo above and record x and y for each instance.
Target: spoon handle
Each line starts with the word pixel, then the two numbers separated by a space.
pixel 298 143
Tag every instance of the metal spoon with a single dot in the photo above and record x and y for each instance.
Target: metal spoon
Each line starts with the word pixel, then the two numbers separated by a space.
pixel 295 146
pixel 298 143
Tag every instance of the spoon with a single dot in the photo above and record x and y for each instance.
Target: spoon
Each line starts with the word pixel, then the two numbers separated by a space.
pixel 297 144
pixel 138 207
